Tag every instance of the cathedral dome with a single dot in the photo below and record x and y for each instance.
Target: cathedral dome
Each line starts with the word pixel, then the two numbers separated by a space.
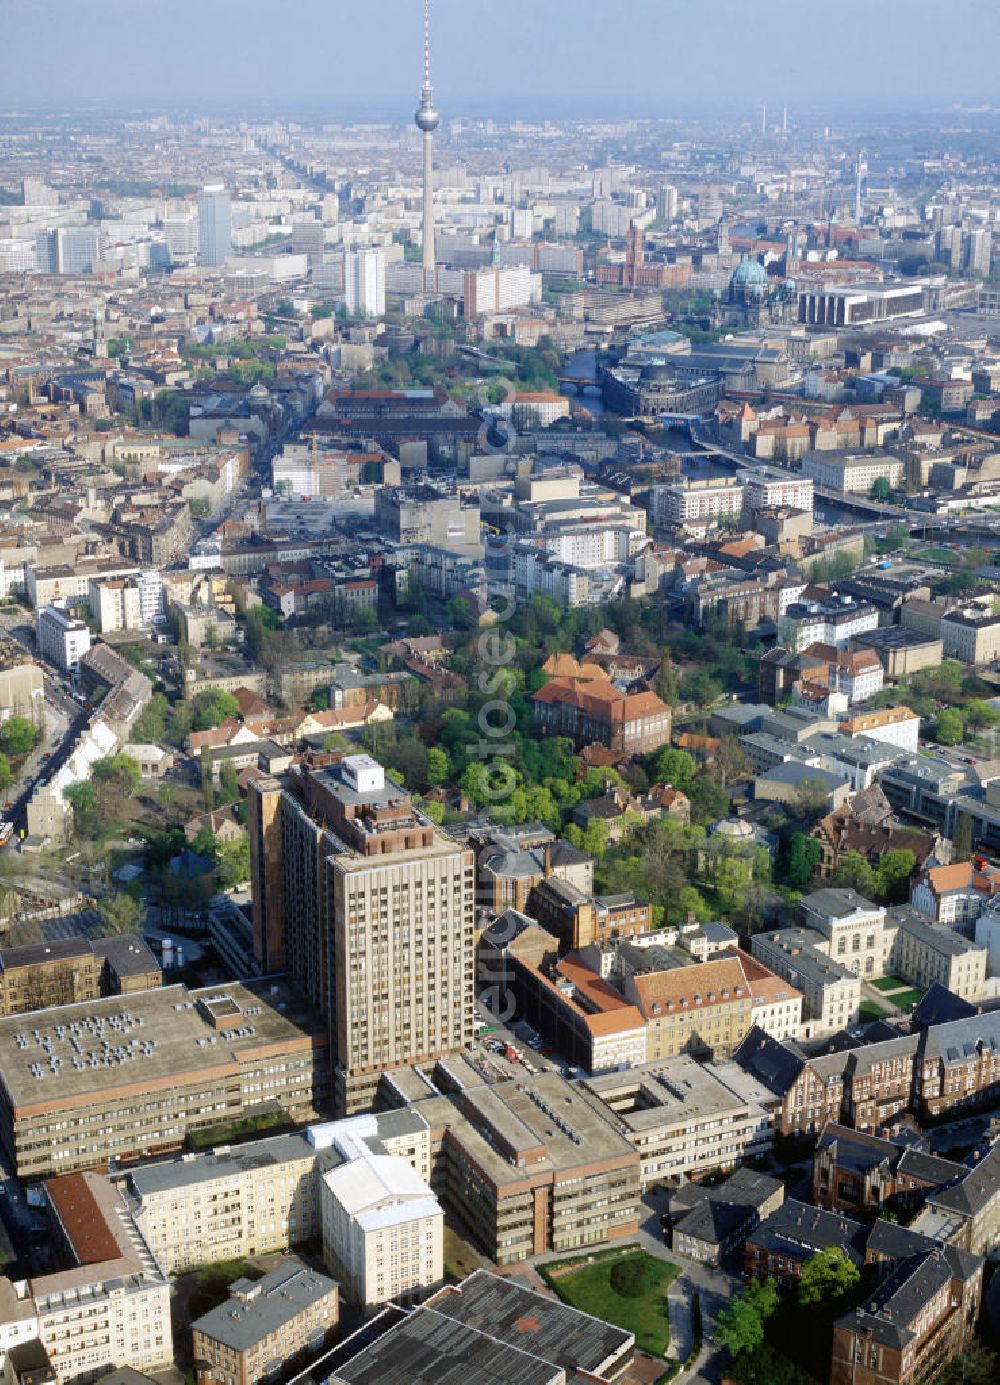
pixel 749 274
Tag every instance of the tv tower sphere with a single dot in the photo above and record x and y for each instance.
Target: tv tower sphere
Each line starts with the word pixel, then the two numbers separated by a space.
pixel 427 118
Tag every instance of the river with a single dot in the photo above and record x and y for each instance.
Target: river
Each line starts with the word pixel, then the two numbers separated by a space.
pixel 583 364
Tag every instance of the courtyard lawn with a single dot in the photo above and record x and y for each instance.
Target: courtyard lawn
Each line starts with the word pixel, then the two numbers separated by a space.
pixel 908 1000
pixel 590 1289
pixel 889 983
pixel 870 1010
pixel 209 1285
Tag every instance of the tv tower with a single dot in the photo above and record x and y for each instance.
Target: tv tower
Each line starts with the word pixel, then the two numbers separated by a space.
pixel 427 119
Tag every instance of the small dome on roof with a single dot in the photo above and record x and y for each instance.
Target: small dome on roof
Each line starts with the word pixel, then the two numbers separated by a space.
pixel 734 829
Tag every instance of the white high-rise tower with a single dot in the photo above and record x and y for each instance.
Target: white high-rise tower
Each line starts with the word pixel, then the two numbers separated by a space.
pixel 427 119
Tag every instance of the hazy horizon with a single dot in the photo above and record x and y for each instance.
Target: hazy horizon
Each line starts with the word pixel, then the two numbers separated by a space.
pixel 655 57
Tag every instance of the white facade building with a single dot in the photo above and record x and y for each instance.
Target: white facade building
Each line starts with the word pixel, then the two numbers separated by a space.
pixel 770 489
pixel 215 225
pixel 181 236
pixel 498 290
pixel 894 725
pixel 383 1228
pixel 62 639
pixel 697 500
pixel 152 602
pixel 364 283
pixel 856 473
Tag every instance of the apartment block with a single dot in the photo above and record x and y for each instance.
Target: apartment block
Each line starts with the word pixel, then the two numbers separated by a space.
pixel 855 1172
pixel 372 909
pixel 584 1017
pixel 795 1232
pixel 697 501
pixel 955 895
pixel 854 473
pixel 965 1210
pixel 258 1197
pixel 21 687
pixel 707 1223
pixel 705 1008
pixel 62 639
pixel 944 1066
pixel 597 710
pixel 111 1305
pixel 853 928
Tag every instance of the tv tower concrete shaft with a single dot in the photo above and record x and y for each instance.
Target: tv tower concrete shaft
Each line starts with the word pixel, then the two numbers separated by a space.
pixel 427 120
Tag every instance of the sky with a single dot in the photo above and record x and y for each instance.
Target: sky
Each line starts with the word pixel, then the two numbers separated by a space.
pixel 586 57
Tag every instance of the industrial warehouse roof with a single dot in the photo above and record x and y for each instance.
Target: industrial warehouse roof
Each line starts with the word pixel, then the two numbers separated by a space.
pixel 490 1330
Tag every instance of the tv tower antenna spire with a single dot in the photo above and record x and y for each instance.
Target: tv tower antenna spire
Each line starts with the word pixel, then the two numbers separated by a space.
pixel 427 120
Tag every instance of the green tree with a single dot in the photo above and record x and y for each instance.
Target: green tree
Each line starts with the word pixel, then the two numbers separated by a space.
pixel 666 683
pixel 82 798
pixel 732 877
pixel 120 913
pixel 6 774
pixel 700 687
pixel 854 872
pixel 232 862
pixel 731 762
pixel 229 789
pixel 812 797
pixel 574 835
pixel 979 714
pixel 595 838
pixel 802 857
pixel 948 727
pixel 675 767
pixel 119 774
pixel 151 724
pixel 629 1277
pixel 709 800
pixel 893 876
pixel 962 842
pixel 438 766
pixel 213 707
pixel 739 1324
pixel 181 722
pixel 207 782
pixel 975 1365
pixel 827 1276
pixel 17 736
pixel 881 490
